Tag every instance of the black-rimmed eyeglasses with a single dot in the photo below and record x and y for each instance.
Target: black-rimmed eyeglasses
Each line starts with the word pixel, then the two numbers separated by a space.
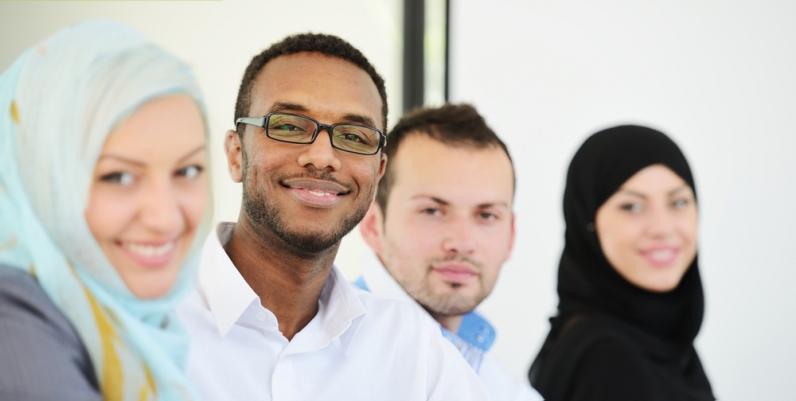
pixel 294 128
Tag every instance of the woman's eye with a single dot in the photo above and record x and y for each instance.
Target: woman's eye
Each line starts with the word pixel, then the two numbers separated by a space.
pixel 190 172
pixel 631 207
pixel 120 178
pixel 680 203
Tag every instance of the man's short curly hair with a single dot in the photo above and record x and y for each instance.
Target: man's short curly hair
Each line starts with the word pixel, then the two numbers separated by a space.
pixel 327 45
pixel 455 125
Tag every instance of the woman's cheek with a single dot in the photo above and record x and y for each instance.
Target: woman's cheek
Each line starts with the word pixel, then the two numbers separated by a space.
pixel 194 201
pixel 108 211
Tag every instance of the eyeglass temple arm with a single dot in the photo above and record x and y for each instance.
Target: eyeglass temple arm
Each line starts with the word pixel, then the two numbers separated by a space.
pixel 258 121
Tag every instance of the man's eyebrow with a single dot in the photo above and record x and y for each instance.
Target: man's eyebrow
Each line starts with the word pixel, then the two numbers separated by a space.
pixel 433 198
pixel 284 106
pixel 360 119
pixel 492 204
pixel 295 107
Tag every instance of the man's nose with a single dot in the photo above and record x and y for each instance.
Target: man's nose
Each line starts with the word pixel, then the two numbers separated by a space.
pixel 320 153
pixel 459 238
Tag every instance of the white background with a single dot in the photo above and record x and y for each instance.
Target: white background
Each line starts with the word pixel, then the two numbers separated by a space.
pixel 718 76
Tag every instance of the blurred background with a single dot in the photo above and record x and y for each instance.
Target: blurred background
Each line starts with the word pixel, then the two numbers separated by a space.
pixel 717 76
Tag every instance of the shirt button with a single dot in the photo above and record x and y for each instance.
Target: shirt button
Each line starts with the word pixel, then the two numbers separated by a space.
pixel 261 316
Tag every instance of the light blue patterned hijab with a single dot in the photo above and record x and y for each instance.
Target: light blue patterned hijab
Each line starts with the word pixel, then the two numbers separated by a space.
pixel 58 103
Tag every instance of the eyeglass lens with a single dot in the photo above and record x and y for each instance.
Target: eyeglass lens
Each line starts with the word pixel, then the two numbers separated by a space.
pixel 297 129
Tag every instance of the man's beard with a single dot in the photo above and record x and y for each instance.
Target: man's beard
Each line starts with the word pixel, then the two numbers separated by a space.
pixel 265 216
pixel 455 304
pixel 450 305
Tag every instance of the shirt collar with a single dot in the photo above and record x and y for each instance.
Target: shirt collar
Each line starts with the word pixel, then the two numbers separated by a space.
pixel 339 315
pixel 226 292
pixel 380 282
pixel 228 295
pixel 474 329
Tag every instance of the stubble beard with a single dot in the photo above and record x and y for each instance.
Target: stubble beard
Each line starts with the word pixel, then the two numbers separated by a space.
pixel 266 217
pixel 448 304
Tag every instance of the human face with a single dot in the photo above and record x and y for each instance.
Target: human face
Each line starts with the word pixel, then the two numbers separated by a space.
pixel 648 229
pixel 148 193
pixel 449 224
pixel 307 195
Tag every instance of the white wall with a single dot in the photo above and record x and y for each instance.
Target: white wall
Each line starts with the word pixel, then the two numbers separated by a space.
pixel 218 39
pixel 720 78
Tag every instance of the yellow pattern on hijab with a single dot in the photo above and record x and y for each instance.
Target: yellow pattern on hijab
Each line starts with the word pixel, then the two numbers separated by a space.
pixel 15 118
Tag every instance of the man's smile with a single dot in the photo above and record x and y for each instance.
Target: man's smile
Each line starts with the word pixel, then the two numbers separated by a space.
pixel 315 192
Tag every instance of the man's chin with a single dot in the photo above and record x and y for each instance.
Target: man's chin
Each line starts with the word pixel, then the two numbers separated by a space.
pixel 453 305
pixel 310 242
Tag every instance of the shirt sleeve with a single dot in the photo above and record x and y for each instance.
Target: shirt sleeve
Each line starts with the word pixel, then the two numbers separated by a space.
pixel 41 355
pixel 612 370
pixel 450 377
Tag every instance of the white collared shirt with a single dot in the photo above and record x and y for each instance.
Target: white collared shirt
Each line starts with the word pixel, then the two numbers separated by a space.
pixel 500 384
pixel 357 347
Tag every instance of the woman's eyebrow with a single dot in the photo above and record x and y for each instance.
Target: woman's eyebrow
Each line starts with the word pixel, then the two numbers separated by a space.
pixel 633 193
pixel 193 152
pixel 642 196
pixel 678 189
pixel 121 159
pixel 140 163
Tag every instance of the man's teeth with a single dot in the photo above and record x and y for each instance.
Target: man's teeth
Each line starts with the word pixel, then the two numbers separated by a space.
pixel 318 193
pixel 148 250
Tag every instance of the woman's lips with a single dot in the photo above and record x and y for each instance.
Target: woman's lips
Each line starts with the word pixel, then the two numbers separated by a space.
pixel 149 254
pixel 660 256
pixel 456 273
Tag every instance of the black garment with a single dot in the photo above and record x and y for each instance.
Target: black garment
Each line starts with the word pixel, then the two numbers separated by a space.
pixel 41 355
pixel 612 340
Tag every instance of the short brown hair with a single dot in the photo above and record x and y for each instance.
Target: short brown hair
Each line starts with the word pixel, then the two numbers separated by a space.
pixel 328 45
pixel 456 125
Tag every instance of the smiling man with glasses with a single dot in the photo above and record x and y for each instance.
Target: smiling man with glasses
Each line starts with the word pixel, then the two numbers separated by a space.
pixel 294 128
pixel 272 318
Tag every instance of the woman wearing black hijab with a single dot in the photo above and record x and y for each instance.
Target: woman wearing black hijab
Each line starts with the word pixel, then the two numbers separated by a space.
pixel 631 298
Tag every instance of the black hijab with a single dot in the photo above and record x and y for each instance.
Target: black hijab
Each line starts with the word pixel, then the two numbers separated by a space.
pixel 663 325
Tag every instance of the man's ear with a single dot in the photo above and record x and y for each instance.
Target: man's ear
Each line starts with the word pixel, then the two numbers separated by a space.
pixel 372 229
pixel 234 152
pixel 382 166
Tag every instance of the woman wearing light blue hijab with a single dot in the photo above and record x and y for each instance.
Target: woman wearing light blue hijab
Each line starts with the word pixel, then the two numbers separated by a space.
pixel 103 205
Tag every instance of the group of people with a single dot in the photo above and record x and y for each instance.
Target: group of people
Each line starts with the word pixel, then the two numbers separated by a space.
pixel 115 286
